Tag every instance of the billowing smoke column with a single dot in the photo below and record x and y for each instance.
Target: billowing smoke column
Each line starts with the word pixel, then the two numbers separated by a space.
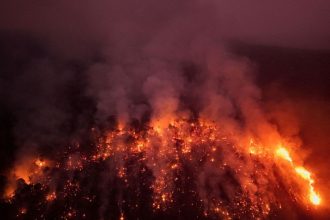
pixel 160 122
pixel 173 129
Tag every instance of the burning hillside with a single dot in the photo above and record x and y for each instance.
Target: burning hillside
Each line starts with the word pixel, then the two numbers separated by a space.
pixel 188 164
pixel 182 137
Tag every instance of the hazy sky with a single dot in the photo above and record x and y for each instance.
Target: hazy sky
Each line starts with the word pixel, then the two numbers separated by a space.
pixel 303 23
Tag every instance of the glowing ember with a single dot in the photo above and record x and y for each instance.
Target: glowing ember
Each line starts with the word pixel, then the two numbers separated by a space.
pixel 23 211
pixel 199 148
pixel 51 196
pixel 121 216
pixel 40 163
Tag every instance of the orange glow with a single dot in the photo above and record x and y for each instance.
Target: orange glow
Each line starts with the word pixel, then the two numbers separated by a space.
pixel 284 153
pixel 29 170
pixel 121 216
pixel 163 197
pixel 40 163
pixel 51 196
pixel 314 198
pixel 305 174
pixel 164 150
pixel 23 211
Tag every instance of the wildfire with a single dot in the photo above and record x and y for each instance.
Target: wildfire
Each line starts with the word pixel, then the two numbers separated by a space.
pixel 303 173
pixel 284 153
pixel 199 146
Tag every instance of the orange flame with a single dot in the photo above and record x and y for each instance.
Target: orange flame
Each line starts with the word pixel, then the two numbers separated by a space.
pixel 284 154
pixel 314 198
pixel 180 141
